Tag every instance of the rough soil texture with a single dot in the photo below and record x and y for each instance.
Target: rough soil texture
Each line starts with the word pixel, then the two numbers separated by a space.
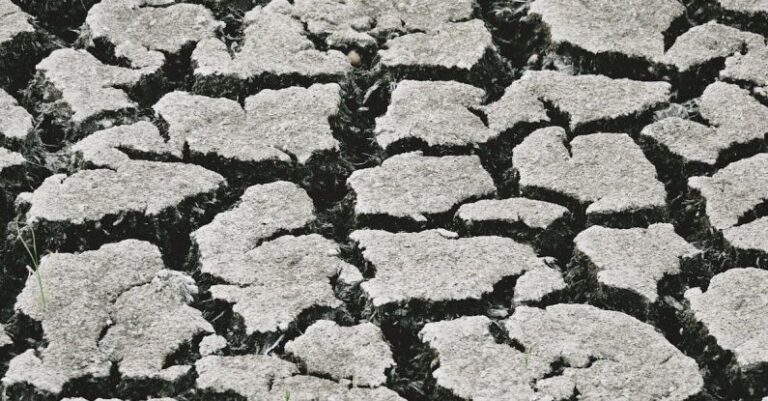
pixel 411 200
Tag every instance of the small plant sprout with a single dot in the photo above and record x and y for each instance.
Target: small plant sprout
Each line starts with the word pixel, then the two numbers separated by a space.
pixel 34 260
pixel 287 396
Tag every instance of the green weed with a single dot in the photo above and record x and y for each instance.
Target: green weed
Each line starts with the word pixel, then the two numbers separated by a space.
pixel 34 259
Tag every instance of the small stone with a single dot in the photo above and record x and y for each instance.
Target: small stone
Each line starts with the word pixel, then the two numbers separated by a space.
pixel 634 28
pixel 126 26
pixel 637 365
pixel 80 291
pixel 734 310
pixel 458 47
pixel 707 42
pixel 634 259
pixel 358 353
pixel 103 148
pixel 733 191
pixel 274 44
pixel 15 122
pixel 413 186
pixel 354 58
pixel 608 173
pixel 212 344
pixel 536 284
pixel 437 113
pixel 274 125
pixel 429 267
pixel 587 100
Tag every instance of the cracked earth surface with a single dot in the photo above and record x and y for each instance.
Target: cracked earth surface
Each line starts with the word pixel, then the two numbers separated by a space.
pixel 412 200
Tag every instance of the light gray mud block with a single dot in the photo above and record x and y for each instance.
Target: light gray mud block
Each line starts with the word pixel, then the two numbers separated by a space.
pixel 605 174
pixel 356 353
pixel 606 355
pixel 589 102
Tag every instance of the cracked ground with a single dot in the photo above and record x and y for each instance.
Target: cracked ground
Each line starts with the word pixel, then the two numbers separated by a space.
pixel 375 200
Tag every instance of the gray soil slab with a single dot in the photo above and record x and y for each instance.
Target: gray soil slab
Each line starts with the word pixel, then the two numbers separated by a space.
pixel 212 344
pixel 143 33
pixel 413 186
pixel 734 310
pixel 311 388
pixel 536 284
pixel 274 44
pixel 436 265
pixel 361 23
pixel 105 148
pixel 273 125
pixel 633 28
pixel 607 172
pixel 277 281
pixel 13 21
pixel 15 122
pixel 733 191
pixel 80 96
pixel 749 237
pixel 80 291
pixel 458 47
pixel 634 259
pixel 748 67
pixel 141 187
pixel 638 365
pixel 529 212
pixel 356 353
pixel 744 6
pixel 149 323
pixel 436 113
pixel 5 340
pixel 691 141
pixel 708 42
pixel 9 159
pixel 586 100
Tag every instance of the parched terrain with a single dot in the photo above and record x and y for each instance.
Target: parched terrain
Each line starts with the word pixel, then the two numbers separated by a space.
pixel 375 200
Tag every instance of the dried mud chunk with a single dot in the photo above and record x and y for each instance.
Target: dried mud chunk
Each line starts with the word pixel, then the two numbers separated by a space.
pixel 115 399
pixel 274 46
pixel 310 388
pixel 537 284
pixel 632 28
pixel 693 142
pixel 264 211
pixel 357 353
pixel 707 42
pixel 749 67
pixel 436 265
pixel 275 125
pixel 16 123
pixel 639 365
pixel 745 6
pixel 212 344
pixel 143 33
pixel 278 280
pixel 107 148
pixel 150 322
pixel 249 376
pixel 588 101
pixel 14 22
pixel 79 293
pixel 5 340
pixel 605 173
pixel 458 48
pixel 412 186
pixel 9 160
pixel 21 46
pixel 78 91
pixel 437 114
pixel 360 23
pixel 750 240
pixel 734 191
pixel 634 259
pixel 733 310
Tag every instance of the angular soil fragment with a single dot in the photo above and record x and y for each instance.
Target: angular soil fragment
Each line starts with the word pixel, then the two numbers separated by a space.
pixel 75 306
pixel 748 67
pixel 274 127
pixel 451 51
pixel 361 24
pixel 143 34
pixel 708 42
pixel 357 353
pixel 437 266
pixel 733 311
pixel 79 94
pixel 260 378
pixel 16 123
pixel 634 259
pixel 535 285
pixel 744 6
pixel 275 52
pixel 633 28
pixel 212 345
pixel 567 351
pixel 115 399
pixel 606 174
pixel 5 340
pixel 411 186
pixel 21 46
pixel 544 224
pixel 589 102
pixel 734 192
pixel 107 148
pixel 432 114
pixel 750 242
